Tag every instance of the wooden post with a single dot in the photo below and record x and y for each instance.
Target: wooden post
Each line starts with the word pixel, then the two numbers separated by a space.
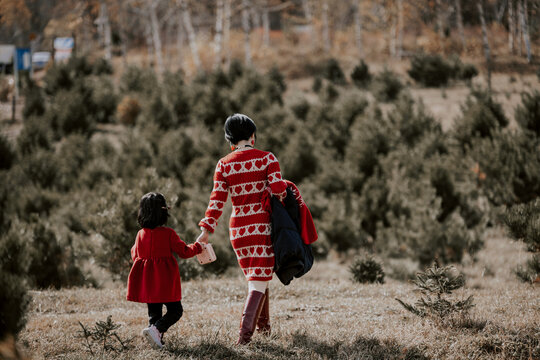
pixel 487 51
pixel 13 108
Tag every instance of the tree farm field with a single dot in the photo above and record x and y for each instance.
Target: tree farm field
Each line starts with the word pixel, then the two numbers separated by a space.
pixel 324 315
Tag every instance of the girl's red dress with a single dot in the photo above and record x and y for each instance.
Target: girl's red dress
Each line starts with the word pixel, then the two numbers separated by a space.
pixel 154 276
pixel 247 175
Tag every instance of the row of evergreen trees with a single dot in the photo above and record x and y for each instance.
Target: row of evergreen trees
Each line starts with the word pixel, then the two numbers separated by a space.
pixel 382 178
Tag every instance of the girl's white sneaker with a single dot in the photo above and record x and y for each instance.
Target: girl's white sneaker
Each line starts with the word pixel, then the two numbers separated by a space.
pixel 153 336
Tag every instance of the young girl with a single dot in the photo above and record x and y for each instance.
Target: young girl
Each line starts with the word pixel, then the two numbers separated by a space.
pixel 154 278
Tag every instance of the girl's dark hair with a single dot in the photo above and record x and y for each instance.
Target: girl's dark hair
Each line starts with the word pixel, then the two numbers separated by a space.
pixel 153 210
pixel 239 127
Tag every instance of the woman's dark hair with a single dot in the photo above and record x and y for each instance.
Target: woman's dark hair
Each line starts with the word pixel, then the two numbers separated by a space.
pixel 239 127
pixel 153 211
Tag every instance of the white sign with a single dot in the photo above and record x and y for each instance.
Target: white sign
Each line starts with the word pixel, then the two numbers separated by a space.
pixel 6 54
pixel 63 47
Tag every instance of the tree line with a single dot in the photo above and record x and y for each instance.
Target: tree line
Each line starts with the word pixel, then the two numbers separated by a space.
pixel 168 28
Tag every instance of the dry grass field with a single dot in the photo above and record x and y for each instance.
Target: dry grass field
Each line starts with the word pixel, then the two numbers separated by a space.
pixel 323 315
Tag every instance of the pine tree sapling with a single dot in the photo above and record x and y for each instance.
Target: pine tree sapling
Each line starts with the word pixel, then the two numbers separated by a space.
pixel 437 284
pixel 528 113
pixel 523 223
pixel 104 336
pixel 360 75
pixel 386 86
pixel 367 270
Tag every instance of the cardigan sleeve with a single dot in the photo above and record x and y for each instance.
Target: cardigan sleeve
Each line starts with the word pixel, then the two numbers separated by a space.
pixel 182 249
pixel 218 198
pixel 134 248
pixel 273 173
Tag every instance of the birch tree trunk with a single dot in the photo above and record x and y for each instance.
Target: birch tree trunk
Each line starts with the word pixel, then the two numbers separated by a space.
pixel 227 30
pixel 309 17
pixel 180 40
pixel 487 51
pixel 218 39
pixel 358 26
pixel 266 25
pixel 256 19
pixel 399 51
pixel 186 17
pixel 511 26
pixel 245 27
pixel 459 17
pixel 440 24
pixel 152 5
pixel 105 29
pixel 122 32
pixel 326 26
pixel 149 43
pixel 525 28
pixel 392 47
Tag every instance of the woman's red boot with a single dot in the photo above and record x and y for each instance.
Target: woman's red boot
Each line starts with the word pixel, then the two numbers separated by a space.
pixel 251 312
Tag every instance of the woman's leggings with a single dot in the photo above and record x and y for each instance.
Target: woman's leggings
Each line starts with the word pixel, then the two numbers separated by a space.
pixel 163 323
pixel 259 286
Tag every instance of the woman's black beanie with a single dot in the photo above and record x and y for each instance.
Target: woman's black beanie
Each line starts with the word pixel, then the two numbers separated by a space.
pixel 239 127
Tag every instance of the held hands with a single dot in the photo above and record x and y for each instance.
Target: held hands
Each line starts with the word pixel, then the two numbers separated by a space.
pixel 203 238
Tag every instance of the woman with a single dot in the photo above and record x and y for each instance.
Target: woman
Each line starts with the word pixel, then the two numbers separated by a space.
pixel 246 173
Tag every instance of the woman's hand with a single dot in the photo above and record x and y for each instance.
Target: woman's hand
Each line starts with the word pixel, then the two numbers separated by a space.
pixel 203 238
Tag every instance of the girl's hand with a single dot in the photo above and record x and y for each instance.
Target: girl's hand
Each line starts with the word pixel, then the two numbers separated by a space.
pixel 203 238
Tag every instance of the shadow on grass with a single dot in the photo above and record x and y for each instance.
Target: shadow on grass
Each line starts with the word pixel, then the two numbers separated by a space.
pixel 361 348
pixel 205 350
pixel 299 346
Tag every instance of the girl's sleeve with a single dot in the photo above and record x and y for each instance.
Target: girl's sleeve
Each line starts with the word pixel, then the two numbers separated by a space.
pixel 273 173
pixel 134 248
pixel 218 198
pixel 184 250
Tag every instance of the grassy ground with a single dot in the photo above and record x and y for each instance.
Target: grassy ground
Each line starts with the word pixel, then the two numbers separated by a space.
pixel 323 315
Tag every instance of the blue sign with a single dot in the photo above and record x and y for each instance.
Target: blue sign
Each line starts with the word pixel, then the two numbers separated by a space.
pixel 24 60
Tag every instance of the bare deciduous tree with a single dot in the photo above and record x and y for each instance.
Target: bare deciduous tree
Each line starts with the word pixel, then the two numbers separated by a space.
pixel 399 51
pixel 156 37
pixel 524 28
pixel 186 19
pixel 246 28
pixel 218 38
pixel 440 29
pixel 326 26
pixel 227 30
pixel 485 42
pixel 358 25
pixel 306 7
pixel 511 29
pixel 459 20
pixel 266 24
